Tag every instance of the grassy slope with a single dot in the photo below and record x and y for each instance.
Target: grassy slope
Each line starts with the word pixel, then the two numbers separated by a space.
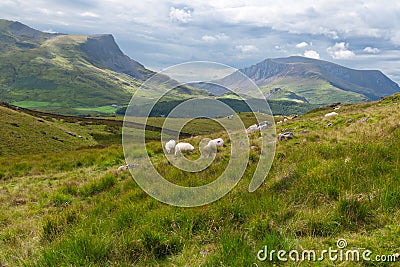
pixel 22 133
pixel 70 209
pixel 59 73
pixel 27 131
pixel 314 90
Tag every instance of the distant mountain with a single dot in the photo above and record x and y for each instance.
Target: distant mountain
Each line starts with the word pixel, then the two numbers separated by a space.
pixel 69 73
pixel 310 80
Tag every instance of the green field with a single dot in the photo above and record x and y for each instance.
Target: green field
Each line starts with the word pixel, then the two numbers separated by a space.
pixel 337 181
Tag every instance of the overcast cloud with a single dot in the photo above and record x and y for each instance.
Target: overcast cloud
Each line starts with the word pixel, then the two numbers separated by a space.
pixel 358 34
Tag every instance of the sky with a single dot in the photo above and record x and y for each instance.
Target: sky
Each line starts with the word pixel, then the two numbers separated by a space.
pixel 158 34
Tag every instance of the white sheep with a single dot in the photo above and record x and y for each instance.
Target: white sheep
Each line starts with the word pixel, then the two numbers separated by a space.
pixel 126 167
pixel 286 136
pixel 181 147
pixel 211 147
pixel 331 114
pixel 252 128
pixel 170 146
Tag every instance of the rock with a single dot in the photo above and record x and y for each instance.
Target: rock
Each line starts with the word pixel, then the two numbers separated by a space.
pixel 304 131
pixel 70 133
pixel 330 124
pixel 364 119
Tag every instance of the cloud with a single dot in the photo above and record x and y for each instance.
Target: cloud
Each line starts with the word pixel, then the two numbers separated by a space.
pixel 180 15
pixel 89 14
pixel 371 50
pixel 312 54
pixel 247 48
pixel 340 51
pixel 215 37
pixel 231 32
pixel 301 45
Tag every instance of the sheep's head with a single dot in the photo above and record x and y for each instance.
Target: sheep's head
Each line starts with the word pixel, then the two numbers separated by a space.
pixel 219 142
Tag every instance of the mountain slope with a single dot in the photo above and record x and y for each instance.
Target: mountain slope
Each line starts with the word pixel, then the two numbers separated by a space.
pixel 328 183
pixel 61 72
pixel 316 80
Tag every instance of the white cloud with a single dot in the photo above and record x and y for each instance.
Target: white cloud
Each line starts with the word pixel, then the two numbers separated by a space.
pixel 180 15
pixel 371 50
pixel 89 14
pixel 301 45
pixel 215 37
pixel 340 51
pixel 144 31
pixel 312 54
pixel 247 48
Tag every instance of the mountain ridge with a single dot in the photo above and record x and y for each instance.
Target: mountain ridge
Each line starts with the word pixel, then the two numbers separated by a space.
pixel 305 76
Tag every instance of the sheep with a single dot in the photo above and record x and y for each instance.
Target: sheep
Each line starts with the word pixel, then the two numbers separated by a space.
pixel 286 136
pixel 279 122
pixel 170 146
pixel 331 114
pixel 252 128
pixel 264 125
pixel 126 167
pixel 211 147
pixel 181 147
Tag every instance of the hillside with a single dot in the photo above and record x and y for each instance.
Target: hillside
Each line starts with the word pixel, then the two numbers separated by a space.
pixel 338 178
pixel 26 131
pixel 314 81
pixel 68 73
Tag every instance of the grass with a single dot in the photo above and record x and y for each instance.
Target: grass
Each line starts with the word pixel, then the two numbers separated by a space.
pixel 339 181
pixel 103 109
pixel 315 91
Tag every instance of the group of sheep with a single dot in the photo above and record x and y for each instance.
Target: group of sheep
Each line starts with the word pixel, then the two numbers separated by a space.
pixel 172 147
pixel 259 127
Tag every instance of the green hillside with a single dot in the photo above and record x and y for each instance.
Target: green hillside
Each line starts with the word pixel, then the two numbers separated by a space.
pixel 69 74
pixel 27 131
pixel 338 179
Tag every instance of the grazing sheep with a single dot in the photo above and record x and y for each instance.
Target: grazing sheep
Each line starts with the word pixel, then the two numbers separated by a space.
pixel 279 122
pixel 285 120
pixel 252 128
pixel 181 147
pixel 286 136
pixel 170 146
pixel 331 114
pixel 264 125
pixel 126 167
pixel 211 147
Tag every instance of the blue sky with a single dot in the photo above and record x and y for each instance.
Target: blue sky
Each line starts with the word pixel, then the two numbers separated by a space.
pixel 357 34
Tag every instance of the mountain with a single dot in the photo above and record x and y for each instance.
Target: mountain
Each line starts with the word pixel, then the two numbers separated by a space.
pixel 311 80
pixel 69 73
